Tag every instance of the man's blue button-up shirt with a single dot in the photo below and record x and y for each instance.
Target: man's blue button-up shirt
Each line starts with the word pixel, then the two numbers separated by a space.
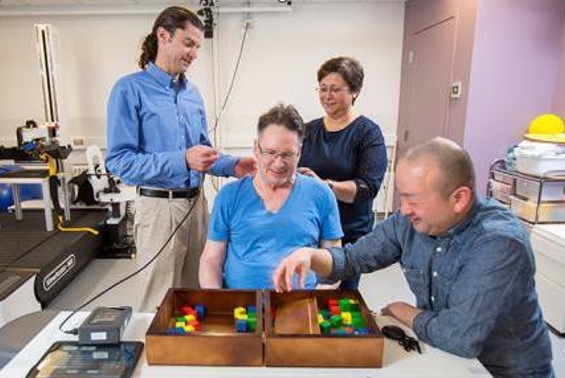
pixel 475 285
pixel 152 120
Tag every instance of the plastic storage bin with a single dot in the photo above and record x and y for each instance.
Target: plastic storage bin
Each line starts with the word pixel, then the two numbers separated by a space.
pixel 551 190
pixel 540 166
pixel 548 211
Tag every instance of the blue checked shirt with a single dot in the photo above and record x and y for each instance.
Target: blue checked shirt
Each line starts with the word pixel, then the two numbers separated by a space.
pixel 152 121
pixel 475 285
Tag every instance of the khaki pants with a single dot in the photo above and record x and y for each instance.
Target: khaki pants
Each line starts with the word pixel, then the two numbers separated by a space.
pixel 177 265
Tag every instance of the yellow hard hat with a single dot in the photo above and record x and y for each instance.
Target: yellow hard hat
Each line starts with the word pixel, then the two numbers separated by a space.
pixel 547 124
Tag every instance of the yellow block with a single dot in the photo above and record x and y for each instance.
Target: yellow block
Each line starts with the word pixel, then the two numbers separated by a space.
pixel 347 318
pixel 238 311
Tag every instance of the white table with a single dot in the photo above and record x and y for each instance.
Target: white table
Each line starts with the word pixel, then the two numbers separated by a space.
pixel 396 362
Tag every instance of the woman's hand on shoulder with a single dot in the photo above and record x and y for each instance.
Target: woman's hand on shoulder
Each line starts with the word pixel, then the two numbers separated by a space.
pixel 308 172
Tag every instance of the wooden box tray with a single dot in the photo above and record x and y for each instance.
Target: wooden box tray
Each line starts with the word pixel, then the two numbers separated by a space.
pixel 217 342
pixel 312 349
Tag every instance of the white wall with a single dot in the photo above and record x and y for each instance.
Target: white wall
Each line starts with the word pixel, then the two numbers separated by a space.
pixel 281 57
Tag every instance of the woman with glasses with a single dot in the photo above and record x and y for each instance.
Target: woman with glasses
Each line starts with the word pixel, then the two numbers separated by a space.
pixel 260 219
pixel 345 149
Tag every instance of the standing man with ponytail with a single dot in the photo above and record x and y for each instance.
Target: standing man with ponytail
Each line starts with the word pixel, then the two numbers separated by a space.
pixel 158 141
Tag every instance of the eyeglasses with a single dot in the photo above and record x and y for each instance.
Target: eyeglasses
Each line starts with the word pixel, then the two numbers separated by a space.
pixel 332 90
pixel 272 154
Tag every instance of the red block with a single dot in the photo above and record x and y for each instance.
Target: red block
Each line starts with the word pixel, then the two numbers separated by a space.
pixel 335 310
pixel 187 310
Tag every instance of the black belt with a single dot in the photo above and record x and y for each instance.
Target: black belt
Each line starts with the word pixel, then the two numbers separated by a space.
pixel 162 193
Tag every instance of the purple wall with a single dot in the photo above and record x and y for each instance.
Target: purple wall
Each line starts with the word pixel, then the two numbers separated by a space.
pixel 559 102
pixel 514 72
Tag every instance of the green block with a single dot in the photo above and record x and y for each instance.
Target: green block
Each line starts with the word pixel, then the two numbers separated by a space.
pixel 344 304
pixel 325 313
pixel 325 327
pixel 251 324
pixel 354 306
pixel 358 322
pixel 336 321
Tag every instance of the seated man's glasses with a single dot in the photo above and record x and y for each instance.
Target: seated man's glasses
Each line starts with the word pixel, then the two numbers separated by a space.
pixel 332 90
pixel 272 154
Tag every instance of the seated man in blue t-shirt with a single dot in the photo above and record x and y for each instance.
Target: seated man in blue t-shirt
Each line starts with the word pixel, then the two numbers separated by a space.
pixel 257 221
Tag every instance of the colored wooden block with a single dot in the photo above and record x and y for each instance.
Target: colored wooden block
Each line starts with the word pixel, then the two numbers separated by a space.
pixel 189 318
pixel 325 313
pixel 344 305
pixel 200 311
pixel 251 310
pixel 335 310
pixel 362 331
pixel 336 321
pixel 238 311
pixel 188 310
pixel 325 327
pixel 354 305
pixel 347 318
pixel 241 325
pixel 251 324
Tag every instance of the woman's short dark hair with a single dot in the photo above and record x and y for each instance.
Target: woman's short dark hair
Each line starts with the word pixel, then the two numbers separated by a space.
pixel 284 115
pixel 350 69
pixel 170 19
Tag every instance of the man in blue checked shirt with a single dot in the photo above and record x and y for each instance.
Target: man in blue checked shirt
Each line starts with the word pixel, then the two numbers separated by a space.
pixel 468 261
pixel 158 141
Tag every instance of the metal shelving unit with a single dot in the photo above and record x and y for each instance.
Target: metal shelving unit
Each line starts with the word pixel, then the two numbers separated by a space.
pixel 521 192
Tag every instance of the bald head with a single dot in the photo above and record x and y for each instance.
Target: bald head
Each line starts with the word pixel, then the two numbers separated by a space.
pixel 454 166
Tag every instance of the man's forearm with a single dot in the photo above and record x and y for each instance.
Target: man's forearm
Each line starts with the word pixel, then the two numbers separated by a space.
pixel 403 312
pixel 322 262
pixel 210 276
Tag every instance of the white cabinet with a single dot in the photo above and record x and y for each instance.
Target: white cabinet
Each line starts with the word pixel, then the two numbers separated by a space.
pixel 548 243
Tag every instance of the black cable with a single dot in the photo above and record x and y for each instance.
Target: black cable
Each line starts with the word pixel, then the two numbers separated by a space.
pixel 74 331
pixel 213 129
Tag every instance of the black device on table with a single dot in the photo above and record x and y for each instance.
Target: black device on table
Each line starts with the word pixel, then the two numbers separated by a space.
pixel 69 359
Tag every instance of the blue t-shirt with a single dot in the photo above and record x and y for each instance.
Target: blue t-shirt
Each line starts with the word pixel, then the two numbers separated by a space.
pixel 258 239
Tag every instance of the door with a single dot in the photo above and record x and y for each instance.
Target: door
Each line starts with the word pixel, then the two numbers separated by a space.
pixel 424 107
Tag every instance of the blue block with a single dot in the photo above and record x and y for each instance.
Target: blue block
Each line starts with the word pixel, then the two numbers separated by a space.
pixel 175 331
pixel 251 309
pixel 241 325
pixel 200 311
pixel 362 331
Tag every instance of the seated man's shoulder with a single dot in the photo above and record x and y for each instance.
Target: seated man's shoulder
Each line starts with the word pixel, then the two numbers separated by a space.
pixel 315 185
pixel 496 221
pixel 236 187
